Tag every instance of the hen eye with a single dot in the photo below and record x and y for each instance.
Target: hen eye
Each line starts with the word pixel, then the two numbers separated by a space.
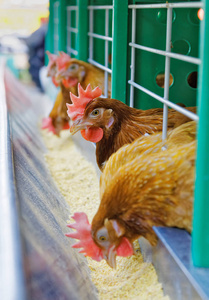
pixel 73 67
pixel 95 112
pixel 102 238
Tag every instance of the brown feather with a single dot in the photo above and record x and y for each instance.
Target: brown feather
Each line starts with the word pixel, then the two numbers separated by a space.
pixel 129 124
pixel 154 189
pixel 93 75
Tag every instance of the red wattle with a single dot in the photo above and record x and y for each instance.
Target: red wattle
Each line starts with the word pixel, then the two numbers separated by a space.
pixel 125 248
pixel 69 82
pixel 92 134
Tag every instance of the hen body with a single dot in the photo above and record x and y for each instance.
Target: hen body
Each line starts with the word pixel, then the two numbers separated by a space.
pixel 147 183
pixel 74 72
pixel 182 135
pixel 122 124
pixel 154 189
pixel 58 113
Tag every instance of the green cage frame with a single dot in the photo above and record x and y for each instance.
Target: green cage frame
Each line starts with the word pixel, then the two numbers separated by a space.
pixel 120 51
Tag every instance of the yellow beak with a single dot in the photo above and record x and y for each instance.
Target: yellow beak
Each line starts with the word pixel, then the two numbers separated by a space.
pixel 78 125
pixel 110 257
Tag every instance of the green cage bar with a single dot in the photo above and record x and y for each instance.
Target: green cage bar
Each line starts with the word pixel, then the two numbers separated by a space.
pixel 56 21
pixel 200 236
pixel 82 37
pixel 62 26
pixel 49 44
pixel 119 49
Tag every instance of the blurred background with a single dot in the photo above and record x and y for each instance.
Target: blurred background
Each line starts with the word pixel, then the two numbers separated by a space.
pixel 23 27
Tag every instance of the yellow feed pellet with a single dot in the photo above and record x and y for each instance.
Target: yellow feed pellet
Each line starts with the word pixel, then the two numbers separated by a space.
pixel 78 182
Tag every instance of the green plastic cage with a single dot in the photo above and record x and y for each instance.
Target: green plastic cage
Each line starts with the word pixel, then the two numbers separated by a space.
pixel 157 53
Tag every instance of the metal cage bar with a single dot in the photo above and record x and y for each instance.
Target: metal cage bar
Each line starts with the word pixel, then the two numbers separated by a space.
pixel 165 101
pixel 106 51
pixel 71 30
pixel 98 7
pixel 49 42
pixel 99 36
pixel 91 40
pixel 167 53
pixel 200 241
pixel 182 57
pixel 105 37
pixel 56 26
pixel 167 72
pixel 168 5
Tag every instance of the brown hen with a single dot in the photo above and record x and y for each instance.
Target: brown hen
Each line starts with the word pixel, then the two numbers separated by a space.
pixel 76 71
pixel 120 124
pixel 70 72
pixel 154 189
pixel 144 184
pixel 182 135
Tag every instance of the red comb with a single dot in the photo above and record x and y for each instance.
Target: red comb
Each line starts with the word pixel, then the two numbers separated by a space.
pixel 83 234
pixel 76 110
pixel 52 59
pixel 89 248
pixel 47 124
pixel 62 60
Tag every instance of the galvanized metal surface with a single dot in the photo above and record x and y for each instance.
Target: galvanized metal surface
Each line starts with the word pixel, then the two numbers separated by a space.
pixel 173 262
pixel 52 269
pixel 11 262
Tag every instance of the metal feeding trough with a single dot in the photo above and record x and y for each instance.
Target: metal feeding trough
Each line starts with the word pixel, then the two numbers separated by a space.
pixel 36 259
pixel 35 256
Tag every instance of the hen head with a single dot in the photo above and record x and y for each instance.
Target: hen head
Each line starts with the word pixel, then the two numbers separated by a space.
pixel 94 117
pixel 102 245
pixel 71 73
pixel 110 238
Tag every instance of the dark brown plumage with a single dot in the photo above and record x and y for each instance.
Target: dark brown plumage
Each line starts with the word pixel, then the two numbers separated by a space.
pixel 122 124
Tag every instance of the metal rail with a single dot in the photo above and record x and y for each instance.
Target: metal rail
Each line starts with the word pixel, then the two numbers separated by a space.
pixel 12 285
pixel 166 101
pixel 168 5
pixel 168 55
pixel 99 36
pixel 71 29
pixel 105 37
pixel 56 25
pixel 93 62
pixel 167 72
pixel 95 7
pixel 182 57
pixel 69 8
pixel 71 50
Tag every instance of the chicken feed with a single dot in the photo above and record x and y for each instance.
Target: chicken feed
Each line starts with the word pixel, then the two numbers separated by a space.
pixel 78 182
